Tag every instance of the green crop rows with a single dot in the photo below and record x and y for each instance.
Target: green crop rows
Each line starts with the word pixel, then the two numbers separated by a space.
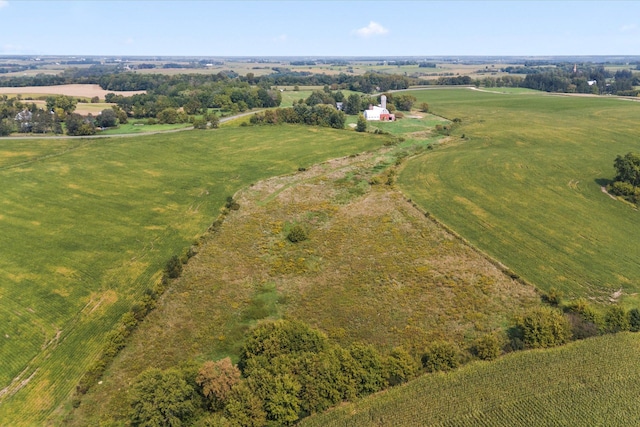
pixel 592 382
pixel 524 185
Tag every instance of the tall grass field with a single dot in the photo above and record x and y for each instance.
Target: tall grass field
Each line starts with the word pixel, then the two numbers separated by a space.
pixel 520 177
pixel 87 225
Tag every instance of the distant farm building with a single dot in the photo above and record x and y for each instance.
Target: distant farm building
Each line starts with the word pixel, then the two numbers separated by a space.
pixel 379 112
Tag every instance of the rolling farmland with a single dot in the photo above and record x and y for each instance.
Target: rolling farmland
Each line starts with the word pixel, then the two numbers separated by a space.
pixel 524 185
pixel 87 225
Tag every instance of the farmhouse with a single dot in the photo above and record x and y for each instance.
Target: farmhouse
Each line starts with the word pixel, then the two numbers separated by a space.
pixel 379 112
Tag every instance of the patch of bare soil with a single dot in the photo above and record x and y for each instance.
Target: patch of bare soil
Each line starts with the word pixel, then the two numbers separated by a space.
pixel 82 90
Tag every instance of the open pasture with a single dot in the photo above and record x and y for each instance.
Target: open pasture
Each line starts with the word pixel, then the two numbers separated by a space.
pixel 592 382
pixel 87 225
pixel 524 185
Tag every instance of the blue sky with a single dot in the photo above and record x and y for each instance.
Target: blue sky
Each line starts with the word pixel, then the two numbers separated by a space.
pixel 319 28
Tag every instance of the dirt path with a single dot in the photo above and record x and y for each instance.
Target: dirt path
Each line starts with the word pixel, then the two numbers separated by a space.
pixel 604 190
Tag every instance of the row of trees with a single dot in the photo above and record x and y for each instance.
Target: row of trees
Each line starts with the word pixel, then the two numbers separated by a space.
pixel 230 96
pixel 286 371
pixel 301 113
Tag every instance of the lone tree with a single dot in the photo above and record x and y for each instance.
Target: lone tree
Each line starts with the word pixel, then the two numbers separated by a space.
pixel 361 125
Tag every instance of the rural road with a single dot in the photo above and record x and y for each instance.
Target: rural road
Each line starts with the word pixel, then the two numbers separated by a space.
pixel 123 135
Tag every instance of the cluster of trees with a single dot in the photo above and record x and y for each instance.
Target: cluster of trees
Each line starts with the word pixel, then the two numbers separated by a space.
pixel 317 115
pixel 193 98
pixel 286 371
pixel 19 116
pixel 356 103
pixel 594 80
pixel 627 180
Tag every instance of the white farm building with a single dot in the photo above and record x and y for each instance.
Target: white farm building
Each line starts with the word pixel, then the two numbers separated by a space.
pixel 379 112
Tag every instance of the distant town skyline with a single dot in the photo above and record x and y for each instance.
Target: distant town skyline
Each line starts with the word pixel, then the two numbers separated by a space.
pixel 319 28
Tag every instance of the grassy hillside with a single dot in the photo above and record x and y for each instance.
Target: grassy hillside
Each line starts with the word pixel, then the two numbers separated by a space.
pixel 592 382
pixel 373 269
pixel 87 225
pixel 524 185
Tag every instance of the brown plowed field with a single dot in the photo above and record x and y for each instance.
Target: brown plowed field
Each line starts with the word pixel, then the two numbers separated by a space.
pixel 88 91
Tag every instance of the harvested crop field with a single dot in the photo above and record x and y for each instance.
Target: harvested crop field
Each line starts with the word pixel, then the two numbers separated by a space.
pixel 78 90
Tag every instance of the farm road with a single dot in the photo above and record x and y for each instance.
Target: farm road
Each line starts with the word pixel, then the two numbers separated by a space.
pixel 123 135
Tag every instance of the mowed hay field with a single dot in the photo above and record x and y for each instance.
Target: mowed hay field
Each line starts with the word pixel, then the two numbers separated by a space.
pixel 87 225
pixel 586 383
pixel 374 269
pixel 524 185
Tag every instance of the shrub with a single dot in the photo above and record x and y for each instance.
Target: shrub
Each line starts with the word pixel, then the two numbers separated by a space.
pixel 616 319
pixel 369 370
pixel 544 327
pixel 582 328
pixel 487 347
pixel 231 204
pixel 400 367
pixel 620 188
pixel 553 297
pixel 297 234
pixel 634 320
pixel 441 356
pixel 173 269
pixel 282 337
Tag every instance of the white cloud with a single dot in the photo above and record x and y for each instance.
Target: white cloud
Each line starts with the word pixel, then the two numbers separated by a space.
pixel 128 41
pixel 373 29
pixel 3 3
pixel 280 38
pixel 628 27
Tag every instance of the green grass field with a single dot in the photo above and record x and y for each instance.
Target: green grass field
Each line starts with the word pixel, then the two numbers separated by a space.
pixel 524 185
pixel 592 382
pixel 87 225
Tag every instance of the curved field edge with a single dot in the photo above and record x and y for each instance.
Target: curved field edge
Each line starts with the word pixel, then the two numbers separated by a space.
pixel 374 269
pixel 521 177
pixel 87 228
pixel 590 382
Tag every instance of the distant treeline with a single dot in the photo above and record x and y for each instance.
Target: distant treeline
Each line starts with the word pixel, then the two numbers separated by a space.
pixel 549 78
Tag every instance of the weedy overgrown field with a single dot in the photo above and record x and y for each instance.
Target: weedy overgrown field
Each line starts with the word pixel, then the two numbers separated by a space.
pixel 86 227
pixel 334 246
